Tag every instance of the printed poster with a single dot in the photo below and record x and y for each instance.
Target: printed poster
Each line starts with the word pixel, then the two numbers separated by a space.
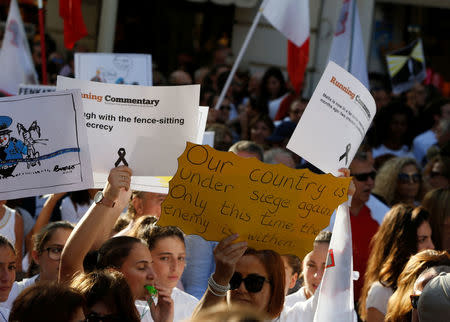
pixel 132 69
pixel 335 121
pixel 143 127
pixel 43 145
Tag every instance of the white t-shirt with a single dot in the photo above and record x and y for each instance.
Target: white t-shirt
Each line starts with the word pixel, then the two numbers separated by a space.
pixel 422 143
pixel 16 289
pixel 404 151
pixel 184 305
pixel 69 213
pixel 295 298
pixel 4 314
pixel 378 297
pixel 300 312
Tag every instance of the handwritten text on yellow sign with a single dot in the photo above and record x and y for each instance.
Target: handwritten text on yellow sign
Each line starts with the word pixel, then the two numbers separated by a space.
pixel 215 194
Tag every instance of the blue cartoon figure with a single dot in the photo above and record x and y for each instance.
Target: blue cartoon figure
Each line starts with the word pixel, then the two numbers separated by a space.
pixel 10 148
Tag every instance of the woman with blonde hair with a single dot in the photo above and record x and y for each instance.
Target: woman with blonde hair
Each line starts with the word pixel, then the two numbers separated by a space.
pixel 399 305
pixel 399 180
pixel 403 232
pixel 437 203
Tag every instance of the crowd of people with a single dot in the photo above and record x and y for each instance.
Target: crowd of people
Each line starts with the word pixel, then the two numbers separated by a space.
pixel 66 257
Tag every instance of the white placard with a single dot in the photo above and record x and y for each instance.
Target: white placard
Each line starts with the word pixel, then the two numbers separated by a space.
pixel 44 146
pixel 160 184
pixel 335 121
pixel 150 124
pixel 25 89
pixel 132 69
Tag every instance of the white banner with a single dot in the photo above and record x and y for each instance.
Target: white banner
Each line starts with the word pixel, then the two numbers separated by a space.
pixel 144 127
pixel 43 145
pixel 335 121
pixel 131 69
pixel 35 89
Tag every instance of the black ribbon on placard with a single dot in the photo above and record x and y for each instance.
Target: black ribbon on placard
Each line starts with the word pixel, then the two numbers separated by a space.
pixel 345 155
pixel 121 158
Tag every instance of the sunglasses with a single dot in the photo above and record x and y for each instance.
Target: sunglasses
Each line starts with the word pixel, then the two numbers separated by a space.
pixel 253 282
pixel 225 107
pixel 364 176
pixel 414 300
pixel 94 317
pixel 407 178
pixel 434 174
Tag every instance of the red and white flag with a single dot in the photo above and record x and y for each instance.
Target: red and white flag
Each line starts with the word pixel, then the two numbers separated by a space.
pixel 291 18
pixel 347 48
pixel 335 292
pixel 74 28
pixel 15 56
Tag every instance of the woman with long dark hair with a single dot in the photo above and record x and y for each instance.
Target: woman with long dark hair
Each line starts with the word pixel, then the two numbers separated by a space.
pixel 403 232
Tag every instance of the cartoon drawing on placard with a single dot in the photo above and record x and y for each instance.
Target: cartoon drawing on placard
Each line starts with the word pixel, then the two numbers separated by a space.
pixel 24 150
pixel 122 65
pixel 30 139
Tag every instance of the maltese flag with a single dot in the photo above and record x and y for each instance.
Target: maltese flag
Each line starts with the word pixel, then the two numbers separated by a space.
pixel 335 293
pixel 15 57
pixel 291 18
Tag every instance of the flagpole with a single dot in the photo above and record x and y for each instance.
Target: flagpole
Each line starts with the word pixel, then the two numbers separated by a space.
pixel 42 34
pixel 240 55
pixel 352 31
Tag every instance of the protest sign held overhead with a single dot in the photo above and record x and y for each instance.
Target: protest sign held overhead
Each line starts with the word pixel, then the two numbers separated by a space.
pixel 43 145
pixel 406 67
pixel 135 124
pixel 335 121
pixel 215 194
pixel 131 69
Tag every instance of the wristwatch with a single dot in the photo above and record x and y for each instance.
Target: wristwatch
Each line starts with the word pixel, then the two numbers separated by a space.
pixel 99 198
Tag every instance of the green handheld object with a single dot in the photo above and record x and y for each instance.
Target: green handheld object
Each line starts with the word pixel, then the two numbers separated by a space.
pixel 151 290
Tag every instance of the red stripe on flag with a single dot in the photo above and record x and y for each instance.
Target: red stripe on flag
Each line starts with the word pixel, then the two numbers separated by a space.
pixel 296 63
pixel 74 27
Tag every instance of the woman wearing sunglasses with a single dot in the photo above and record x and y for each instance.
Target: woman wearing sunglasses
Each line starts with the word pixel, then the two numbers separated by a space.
pixel 254 278
pixel 128 255
pixel 399 180
pixel 403 232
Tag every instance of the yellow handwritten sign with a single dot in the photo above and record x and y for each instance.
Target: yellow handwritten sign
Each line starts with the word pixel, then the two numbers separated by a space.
pixel 215 194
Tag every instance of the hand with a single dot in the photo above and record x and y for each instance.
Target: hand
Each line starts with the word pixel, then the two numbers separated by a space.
pixel 118 186
pixel 164 310
pixel 346 173
pixel 57 196
pixel 226 255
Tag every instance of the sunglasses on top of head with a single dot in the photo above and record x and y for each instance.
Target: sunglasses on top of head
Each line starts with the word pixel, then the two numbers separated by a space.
pixel 253 282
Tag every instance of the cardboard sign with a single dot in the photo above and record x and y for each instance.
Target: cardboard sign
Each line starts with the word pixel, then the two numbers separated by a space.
pixel 335 121
pixel 43 145
pixel 143 127
pixel 215 194
pixel 132 69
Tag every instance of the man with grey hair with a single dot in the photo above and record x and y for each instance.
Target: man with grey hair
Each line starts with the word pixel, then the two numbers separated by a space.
pixel 434 302
pixel 279 156
pixel 180 77
pixel 247 149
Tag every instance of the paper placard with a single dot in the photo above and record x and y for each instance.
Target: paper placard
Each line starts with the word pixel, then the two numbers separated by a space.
pixel 43 145
pixel 25 89
pixel 146 126
pixel 335 121
pixel 215 194
pixel 132 69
